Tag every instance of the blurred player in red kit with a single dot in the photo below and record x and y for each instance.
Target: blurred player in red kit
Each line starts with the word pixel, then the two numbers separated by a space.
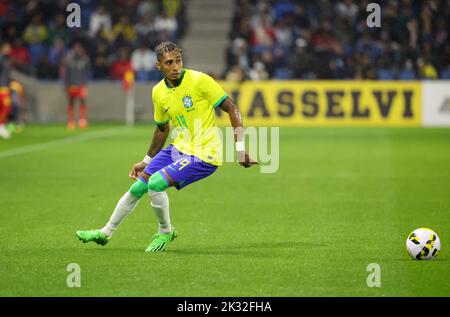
pixel 16 118
pixel 77 68
pixel 5 98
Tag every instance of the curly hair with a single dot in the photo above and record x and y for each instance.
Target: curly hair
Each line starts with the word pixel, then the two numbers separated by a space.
pixel 165 47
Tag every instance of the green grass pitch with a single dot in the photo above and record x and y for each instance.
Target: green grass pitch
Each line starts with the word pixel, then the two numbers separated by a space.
pixel 343 198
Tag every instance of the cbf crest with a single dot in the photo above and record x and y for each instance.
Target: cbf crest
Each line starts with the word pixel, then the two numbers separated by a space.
pixel 187 102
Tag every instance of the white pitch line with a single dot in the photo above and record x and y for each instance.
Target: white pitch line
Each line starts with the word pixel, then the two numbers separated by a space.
pixel 70 140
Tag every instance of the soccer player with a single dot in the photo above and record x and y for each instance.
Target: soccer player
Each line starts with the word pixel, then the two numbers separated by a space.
pixel 16 115
pixel 77 69
pixel 186 99
pixel 5 97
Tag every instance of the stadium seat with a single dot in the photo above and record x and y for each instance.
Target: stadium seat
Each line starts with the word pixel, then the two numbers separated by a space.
pixel 385 74
pixel 282 73
pixel 406 74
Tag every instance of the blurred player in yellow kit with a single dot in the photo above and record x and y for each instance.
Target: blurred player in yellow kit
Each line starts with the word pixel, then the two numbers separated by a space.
pixel 16 120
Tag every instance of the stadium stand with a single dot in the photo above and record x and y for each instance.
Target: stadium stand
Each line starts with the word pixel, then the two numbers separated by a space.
pixel 268 39
pixel 324 39
pixel 113 31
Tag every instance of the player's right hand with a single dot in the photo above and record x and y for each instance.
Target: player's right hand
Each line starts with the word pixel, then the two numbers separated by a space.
pixel 136 169
pixel 245 159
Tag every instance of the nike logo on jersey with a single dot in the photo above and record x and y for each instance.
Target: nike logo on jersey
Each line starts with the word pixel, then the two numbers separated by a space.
pixel 165 110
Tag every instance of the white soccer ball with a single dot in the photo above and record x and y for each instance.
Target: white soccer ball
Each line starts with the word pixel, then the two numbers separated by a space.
pixel 423 244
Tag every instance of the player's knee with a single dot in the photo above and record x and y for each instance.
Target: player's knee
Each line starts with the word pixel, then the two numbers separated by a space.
pixel 138 189
pixel 157 183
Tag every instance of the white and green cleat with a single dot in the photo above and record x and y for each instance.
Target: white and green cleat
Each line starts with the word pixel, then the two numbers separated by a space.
pixel 92 235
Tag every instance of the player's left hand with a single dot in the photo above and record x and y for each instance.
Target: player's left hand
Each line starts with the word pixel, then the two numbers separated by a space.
pixel 245 160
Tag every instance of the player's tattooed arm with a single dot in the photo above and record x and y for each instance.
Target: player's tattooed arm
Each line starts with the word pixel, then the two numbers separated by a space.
pixel 159 139
pixel 236 121
pixel 235 118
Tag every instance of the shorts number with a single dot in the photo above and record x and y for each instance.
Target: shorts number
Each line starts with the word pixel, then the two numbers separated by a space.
pixel 183 163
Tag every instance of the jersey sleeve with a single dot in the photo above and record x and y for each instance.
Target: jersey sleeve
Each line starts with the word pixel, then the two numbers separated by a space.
pixel 213 92
pixel 159 115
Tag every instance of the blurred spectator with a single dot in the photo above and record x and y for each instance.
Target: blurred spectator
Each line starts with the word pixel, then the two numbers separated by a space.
pixel 407 72
pixel 263 34
pixel 35 35
pixel 302 61
pixel 19 52
pixel 347 10
pixel 166 24
pixel 258 71
pixel 11 25
pixel 238 53
pixel 236 74
pixel 365 69
pixel 284 33
pixel 143 61
pixel 123 31
pixel 301 21
pixel 121 65
pixel 145 30
pixel 10 33
pixel 106 35
pixel 171 7
pixel 426 69
pixel 324 39
pixel 269 61
pixel 56 56
pixel 100 19
pixel 58 29
pixel 148 7
pixel 102 61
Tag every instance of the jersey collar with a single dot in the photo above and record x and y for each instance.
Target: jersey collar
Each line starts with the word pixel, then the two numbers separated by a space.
pixel 178 83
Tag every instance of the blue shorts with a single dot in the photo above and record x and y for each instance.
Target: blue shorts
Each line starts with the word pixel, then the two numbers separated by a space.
pixel 184 169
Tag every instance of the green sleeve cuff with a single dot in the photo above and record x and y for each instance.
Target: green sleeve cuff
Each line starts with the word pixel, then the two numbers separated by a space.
pixel 220 100
pixel 161 123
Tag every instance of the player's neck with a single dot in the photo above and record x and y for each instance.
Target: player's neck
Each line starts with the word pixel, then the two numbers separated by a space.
pixel 171 83
pixel 174 83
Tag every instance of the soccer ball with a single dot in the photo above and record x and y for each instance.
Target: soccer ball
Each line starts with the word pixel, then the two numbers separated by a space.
pixel 423 244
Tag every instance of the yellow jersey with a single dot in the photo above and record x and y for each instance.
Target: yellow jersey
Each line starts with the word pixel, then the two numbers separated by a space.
pixel 189 107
